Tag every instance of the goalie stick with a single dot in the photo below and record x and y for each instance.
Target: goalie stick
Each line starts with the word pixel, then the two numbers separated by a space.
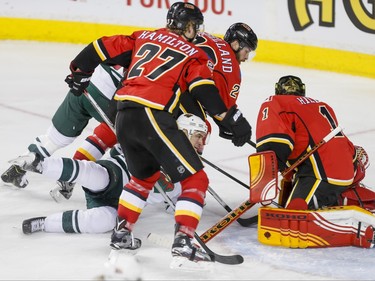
pixel 232 216
pixel 243 222
pixel 234 259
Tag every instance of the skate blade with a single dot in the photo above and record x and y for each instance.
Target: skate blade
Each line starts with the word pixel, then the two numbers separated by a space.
pixel 22 185
pixel 56 195
pixel 185 264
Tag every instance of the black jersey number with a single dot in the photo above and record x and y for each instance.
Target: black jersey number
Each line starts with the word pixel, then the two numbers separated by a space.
pixel 265 113
pixel 324 111
pixel 148 52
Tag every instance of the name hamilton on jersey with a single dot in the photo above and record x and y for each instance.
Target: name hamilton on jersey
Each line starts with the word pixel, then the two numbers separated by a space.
pixel 188 49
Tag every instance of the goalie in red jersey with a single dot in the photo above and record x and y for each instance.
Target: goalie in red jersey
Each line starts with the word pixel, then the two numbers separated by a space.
pixel 291 124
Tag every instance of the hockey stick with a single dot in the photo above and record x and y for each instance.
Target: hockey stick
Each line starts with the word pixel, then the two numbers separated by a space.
pixel 99 110
pixel 225 173
pixel 234 259
pixel 243 222
pixel 252 143
pixel 328 137
pixel 232 216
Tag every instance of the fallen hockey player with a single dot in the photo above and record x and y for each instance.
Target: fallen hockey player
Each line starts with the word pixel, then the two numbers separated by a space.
pixel 102 182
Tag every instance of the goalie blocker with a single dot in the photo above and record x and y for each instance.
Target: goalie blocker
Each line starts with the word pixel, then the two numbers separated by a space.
pixel 329 227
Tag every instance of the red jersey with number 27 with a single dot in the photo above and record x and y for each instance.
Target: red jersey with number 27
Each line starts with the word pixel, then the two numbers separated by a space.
pixel 163 65
pixel 290 125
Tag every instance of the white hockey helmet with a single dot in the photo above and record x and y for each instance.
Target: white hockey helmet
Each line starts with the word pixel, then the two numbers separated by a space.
pixel 191 123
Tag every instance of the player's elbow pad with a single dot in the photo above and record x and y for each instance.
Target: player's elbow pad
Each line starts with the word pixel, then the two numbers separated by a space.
pixel 208 96
pixel 87 60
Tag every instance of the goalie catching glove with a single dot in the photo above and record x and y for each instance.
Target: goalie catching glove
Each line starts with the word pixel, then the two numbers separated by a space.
pixel 78 80
pixel 237 125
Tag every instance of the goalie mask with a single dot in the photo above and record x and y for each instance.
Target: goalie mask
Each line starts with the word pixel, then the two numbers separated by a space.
pixel 196 129
pixel 290 85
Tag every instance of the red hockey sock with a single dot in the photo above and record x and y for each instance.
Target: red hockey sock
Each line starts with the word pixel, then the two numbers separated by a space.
pixel 134 196
pixel 190 203
pixel 95 146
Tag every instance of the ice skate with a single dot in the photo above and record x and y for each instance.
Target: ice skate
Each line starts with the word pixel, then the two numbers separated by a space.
pixel 15 175
pixel 187 255
pixel 63 189
pixel 29 162
pixel 122 238
pixel 33 225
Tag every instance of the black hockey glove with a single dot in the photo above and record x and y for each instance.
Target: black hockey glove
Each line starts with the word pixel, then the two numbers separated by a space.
pixel 236 124
pixel 223 132
pixel 78 81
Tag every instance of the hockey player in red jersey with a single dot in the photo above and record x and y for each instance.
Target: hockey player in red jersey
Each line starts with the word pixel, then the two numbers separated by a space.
pixel 227 54
pixel 163 64
pixel 290 124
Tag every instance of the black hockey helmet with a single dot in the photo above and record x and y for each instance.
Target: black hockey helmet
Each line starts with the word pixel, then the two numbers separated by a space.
pixel 243 33
pixel 181 13
pixel 290 85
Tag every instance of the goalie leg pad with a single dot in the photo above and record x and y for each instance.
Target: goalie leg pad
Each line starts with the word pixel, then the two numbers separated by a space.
pixel 263 177
pixel 330 227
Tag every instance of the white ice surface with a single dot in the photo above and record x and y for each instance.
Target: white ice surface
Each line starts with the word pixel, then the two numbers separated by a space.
pixel 32 86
